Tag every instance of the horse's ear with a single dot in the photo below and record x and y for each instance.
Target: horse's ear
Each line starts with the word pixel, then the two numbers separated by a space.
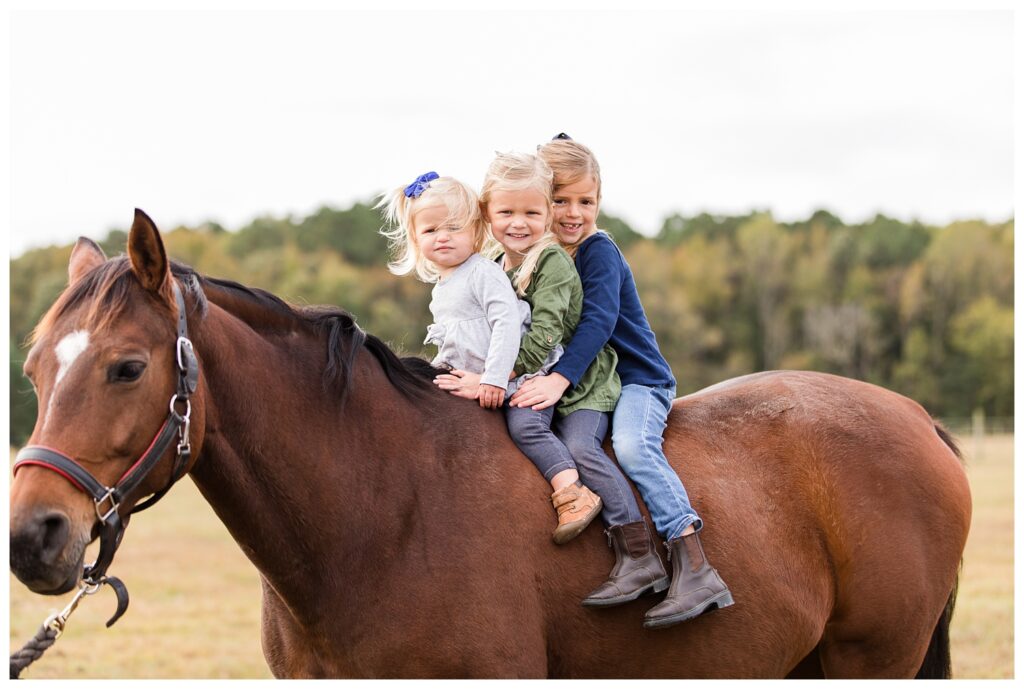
pixel 146 252
pixel 86 255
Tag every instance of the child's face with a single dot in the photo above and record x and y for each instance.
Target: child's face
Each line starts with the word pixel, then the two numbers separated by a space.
pixel 518 218
pixel 442 241
pixel 576 211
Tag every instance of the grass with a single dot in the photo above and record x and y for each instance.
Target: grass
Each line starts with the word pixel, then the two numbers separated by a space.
pixel 981 635
pixel 194 611
pixel 196 599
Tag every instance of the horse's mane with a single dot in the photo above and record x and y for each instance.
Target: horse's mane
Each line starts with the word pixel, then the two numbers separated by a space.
pixel 109 285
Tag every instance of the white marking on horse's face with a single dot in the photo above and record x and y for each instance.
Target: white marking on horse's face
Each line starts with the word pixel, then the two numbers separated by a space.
pixel 67 350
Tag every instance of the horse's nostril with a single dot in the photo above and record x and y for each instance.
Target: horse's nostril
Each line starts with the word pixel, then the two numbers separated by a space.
pixel 45 550
pixel 53 536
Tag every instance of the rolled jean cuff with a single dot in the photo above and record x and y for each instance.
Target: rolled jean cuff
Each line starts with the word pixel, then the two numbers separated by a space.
pixel 697 522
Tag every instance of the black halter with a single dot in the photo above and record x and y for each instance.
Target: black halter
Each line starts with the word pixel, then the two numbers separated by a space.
pixel 108 500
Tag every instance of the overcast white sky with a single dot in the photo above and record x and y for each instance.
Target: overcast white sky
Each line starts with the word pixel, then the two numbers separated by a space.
pixel 203 115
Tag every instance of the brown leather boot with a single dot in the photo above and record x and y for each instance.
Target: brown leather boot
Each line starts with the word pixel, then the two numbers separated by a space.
pixel 576 506
pixel 696 587
pixel 637 570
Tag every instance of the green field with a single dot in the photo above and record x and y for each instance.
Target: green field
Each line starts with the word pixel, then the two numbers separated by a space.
pixel 195 598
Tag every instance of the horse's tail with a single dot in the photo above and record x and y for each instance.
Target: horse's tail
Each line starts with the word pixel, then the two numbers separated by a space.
pixel 937 663
pixel 948 439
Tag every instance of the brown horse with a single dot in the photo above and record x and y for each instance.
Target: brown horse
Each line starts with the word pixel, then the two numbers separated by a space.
pixel 399 532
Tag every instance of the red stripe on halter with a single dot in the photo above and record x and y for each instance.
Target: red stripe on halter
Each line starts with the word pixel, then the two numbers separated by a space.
pixel 45 465
pixel 144 454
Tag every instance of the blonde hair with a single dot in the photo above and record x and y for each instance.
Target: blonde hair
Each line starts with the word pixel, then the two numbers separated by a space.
pixel 570 161
pixel 512 172
pixel 400 215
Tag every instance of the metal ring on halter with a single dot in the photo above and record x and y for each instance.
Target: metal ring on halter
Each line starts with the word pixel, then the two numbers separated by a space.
pixel 188 408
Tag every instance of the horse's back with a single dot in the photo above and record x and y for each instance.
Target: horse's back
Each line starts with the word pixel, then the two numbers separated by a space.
pixel 829 503
pixel 832 440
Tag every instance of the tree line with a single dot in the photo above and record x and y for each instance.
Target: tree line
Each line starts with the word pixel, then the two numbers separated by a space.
pixel 923 310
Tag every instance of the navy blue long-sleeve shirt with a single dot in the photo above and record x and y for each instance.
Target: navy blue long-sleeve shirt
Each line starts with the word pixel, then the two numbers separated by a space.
pixel 612 313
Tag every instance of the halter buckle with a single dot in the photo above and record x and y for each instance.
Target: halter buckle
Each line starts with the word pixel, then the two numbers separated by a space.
pixel 113 505
pixel 186 344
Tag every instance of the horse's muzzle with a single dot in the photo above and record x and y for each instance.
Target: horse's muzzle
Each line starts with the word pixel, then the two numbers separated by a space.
pixel 45 556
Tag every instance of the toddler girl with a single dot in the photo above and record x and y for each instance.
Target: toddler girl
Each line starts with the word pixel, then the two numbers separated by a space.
pixel 437 230
pixel 612 314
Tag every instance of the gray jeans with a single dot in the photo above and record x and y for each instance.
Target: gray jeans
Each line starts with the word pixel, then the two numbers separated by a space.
pixel 575 443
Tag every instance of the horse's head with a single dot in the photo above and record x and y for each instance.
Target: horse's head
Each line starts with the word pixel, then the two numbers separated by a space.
pixel 105 367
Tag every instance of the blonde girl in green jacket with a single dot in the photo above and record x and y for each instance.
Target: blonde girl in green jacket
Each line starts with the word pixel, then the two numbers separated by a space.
pixel 565 441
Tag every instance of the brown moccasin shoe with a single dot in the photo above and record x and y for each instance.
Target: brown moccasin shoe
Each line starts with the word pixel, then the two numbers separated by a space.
pixel 576 506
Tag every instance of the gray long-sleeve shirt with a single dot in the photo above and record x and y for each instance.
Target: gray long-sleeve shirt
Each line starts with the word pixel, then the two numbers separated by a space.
pixel 478 321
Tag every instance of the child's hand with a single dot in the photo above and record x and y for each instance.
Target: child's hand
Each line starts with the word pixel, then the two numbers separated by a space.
pixel 460 383
pixel 540 392
pixel 491 396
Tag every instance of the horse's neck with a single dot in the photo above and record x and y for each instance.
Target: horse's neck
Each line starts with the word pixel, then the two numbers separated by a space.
pixel 291 471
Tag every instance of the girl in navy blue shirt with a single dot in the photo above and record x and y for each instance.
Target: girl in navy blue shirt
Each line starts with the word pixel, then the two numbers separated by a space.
pixel 612 314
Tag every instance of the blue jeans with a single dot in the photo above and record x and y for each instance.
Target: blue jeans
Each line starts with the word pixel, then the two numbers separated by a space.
pixel 638 426
pixel 575 443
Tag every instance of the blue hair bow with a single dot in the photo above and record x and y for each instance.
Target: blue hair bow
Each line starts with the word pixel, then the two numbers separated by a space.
pixel 420 184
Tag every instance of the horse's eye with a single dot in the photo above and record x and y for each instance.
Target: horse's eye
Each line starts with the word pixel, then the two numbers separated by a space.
pixel 126 371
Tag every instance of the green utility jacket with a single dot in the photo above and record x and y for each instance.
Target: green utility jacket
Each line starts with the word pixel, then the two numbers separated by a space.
pixel 555 296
